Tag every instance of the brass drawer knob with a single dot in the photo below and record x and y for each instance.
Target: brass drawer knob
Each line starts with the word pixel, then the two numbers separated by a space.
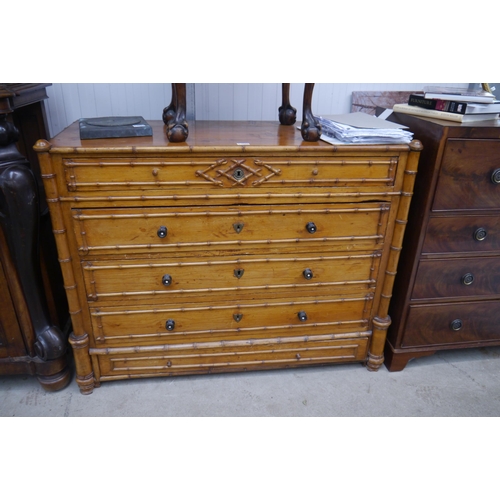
pixel 311 227
pixel 166 279
pixel 162 232
pixel 480 234
pixel 308 274
pixel 170 324
pixel 495 176
pixel 456 325
pixel 467 279
pixel 302 316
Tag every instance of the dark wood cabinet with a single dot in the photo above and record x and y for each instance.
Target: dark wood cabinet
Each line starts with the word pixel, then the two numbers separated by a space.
pixel 447 290
pixel 33 312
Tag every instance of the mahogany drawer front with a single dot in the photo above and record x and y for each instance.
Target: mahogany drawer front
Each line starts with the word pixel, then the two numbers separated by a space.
pixel 440 278
pixel 467 233
pixel 469 176
pixel 429 325
pixel 124 174
pixel 198 322
pixel 347 226
pixel 181 280
pixel 240 355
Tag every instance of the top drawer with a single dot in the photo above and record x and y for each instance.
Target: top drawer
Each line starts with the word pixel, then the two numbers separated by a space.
pixel 240 229
pixel 115 174
pixel 470 176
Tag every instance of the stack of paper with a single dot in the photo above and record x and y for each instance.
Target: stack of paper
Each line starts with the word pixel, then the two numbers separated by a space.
pixel 361 128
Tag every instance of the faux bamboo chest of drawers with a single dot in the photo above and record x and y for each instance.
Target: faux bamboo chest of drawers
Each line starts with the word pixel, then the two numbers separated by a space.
pixel 447 291
pixel 244 248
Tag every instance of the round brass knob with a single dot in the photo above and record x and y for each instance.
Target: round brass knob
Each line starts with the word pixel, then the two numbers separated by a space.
pixel 495 176
pixel 167 279
pixel 456 325
pixel 308 274
pixel 311 227
pixel 480 234
pixel 302 315
pixel 467 279
pixel 162 232
pixel 170 324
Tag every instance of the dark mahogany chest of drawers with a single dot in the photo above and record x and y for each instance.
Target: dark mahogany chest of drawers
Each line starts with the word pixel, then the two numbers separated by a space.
pixel 447 291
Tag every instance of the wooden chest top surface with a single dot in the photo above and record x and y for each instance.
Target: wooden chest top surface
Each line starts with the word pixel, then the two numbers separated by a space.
pixel 211 136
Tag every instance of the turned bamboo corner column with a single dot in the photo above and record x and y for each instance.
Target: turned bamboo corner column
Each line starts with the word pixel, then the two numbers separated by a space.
pixel 79 338
pixel 382 321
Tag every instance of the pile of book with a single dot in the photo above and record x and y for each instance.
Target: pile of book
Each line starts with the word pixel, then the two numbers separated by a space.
pixel 460 105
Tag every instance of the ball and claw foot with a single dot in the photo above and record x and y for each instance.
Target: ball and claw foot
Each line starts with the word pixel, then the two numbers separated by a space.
pixel 177 132
pixel 287 115
pixel 310 128
pixel 168 114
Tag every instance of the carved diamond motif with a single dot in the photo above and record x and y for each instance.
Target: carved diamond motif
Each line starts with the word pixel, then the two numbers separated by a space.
pixel 237 173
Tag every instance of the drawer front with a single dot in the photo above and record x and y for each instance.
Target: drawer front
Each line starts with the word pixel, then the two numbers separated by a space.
pixel 230 356
pixel 468 233
pixel 349 227
pixel 470 176
pixel 134 326
pixel 122 174
pixel 184 280
pixel 452 323
pixel 457 278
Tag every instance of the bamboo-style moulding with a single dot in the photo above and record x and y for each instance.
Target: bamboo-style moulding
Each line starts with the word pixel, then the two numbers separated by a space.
pixel 209 256
pixel 239 213
pixel 114 351
pixel 236 288
pixel 89 266
pixel 98 312
pixel 199 335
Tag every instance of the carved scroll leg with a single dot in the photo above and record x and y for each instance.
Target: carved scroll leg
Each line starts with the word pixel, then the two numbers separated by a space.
pixel 177 127
pixel 170 111
pixel 287 113
pixel 20 218
pixel 310 128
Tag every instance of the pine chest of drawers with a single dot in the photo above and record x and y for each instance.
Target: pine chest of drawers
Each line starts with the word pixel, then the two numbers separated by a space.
pixel 244 248
pixel 447 291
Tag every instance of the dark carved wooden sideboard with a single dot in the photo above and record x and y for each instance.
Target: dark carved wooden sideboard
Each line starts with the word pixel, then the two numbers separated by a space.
pixel 33 312
pixel 447 291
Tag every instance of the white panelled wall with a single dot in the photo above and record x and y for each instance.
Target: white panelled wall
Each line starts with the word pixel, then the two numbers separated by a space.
pixel 206 101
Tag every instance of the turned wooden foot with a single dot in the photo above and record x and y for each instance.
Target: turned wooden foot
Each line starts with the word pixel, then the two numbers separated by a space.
pixel 83 363
pixel 55 382
pixel 374 362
